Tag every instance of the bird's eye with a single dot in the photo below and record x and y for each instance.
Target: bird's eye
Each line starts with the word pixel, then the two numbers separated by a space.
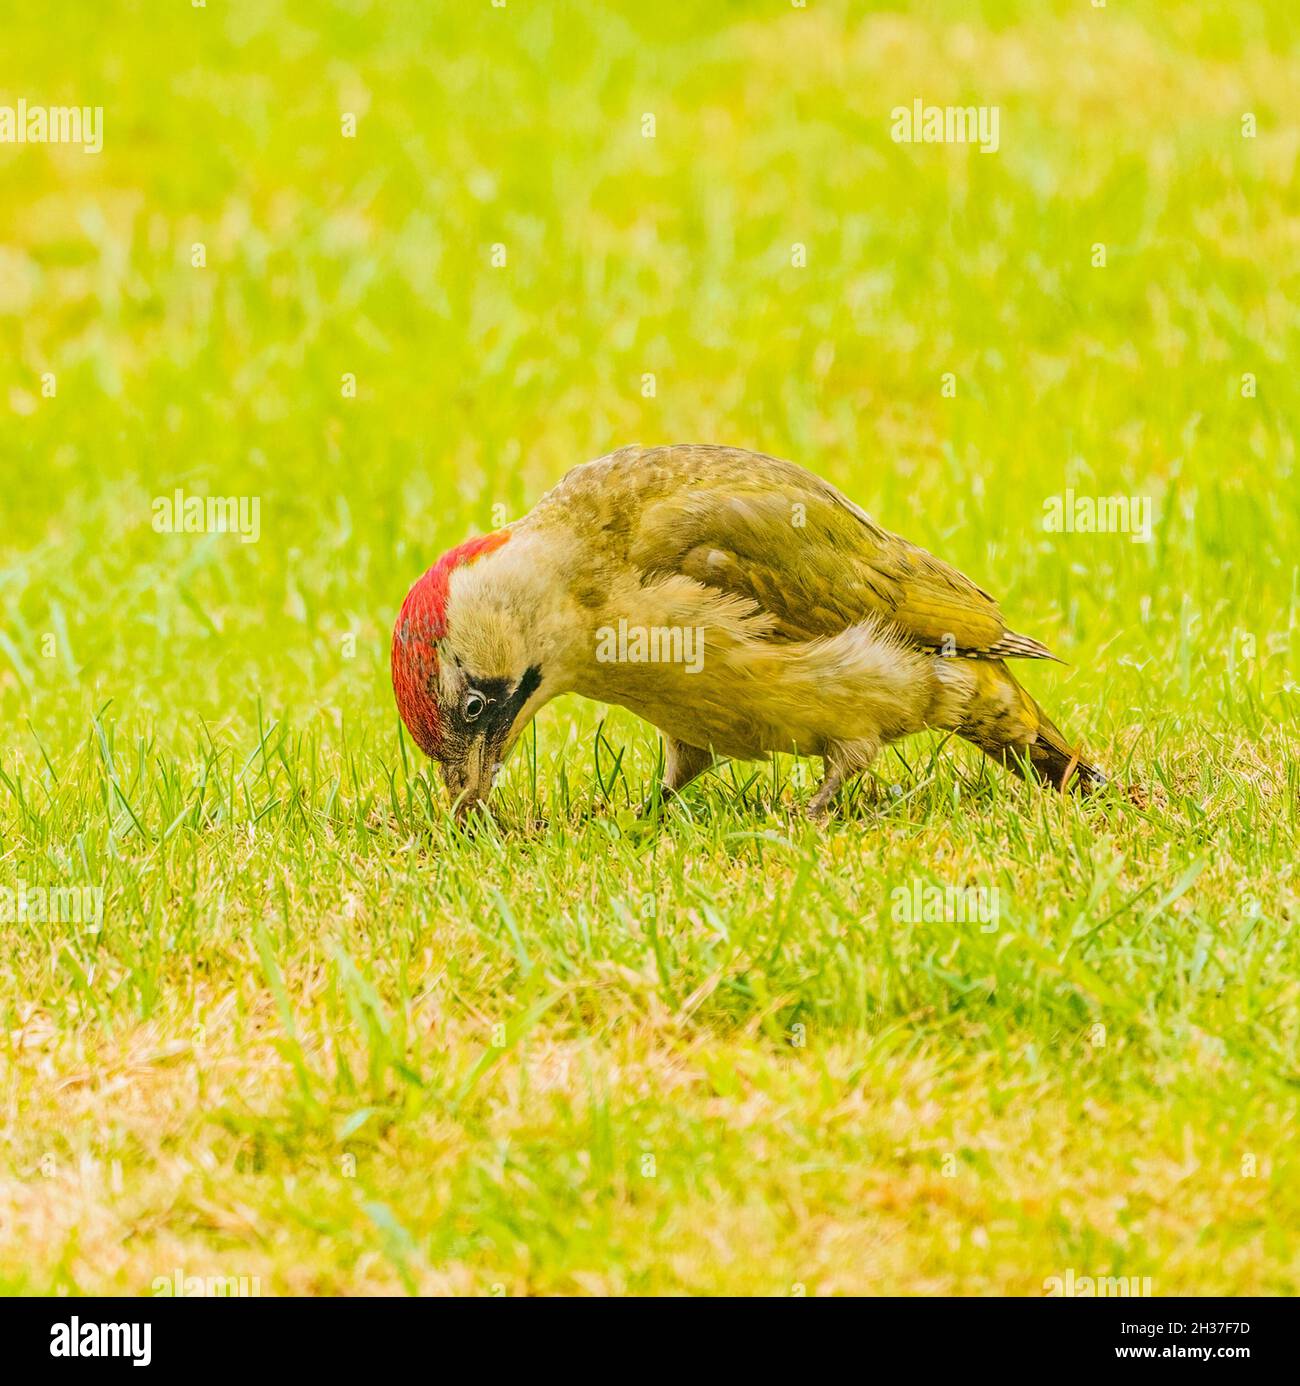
pixel 474 704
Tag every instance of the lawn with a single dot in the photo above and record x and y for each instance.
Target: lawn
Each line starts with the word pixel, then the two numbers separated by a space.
pixel 388 271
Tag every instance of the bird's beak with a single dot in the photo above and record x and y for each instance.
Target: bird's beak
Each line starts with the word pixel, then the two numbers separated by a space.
pixel 469 781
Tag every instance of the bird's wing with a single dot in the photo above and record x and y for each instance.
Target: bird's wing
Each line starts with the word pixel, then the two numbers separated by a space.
pixel 768 531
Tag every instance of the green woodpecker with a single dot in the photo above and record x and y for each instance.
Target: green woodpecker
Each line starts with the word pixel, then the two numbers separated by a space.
pixel 740 604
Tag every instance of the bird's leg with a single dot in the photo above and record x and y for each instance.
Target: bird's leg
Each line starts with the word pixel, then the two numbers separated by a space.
pixel 842 761
pixel 820 803
pixel 682 763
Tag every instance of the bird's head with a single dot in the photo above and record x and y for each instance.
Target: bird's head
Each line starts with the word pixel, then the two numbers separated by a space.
pixel 466 662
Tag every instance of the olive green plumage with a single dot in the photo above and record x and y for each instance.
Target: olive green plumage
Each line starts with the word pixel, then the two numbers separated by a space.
pixel 777 538
pixel 767 530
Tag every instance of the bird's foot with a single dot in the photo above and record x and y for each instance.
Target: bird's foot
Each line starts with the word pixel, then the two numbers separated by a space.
pixel 819 806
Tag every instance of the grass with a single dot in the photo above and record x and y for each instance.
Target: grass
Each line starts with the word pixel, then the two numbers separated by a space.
pixel 320 1038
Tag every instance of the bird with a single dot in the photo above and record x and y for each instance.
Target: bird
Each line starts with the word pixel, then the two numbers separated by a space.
pixel 738 603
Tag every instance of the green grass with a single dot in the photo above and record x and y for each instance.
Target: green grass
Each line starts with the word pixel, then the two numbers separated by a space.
pixel 321 1038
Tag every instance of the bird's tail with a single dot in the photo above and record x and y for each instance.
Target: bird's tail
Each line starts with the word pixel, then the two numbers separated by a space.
pixel 984 703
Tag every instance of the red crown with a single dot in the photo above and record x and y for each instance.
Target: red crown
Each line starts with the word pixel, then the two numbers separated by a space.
pixel 421 623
